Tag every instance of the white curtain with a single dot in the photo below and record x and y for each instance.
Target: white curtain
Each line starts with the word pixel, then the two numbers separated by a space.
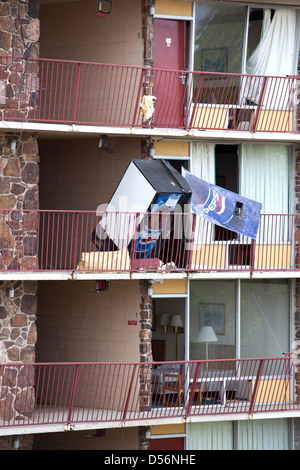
pixel 264 178
pixel 203 161
pixel 274 56
pixel 267 434
pixel 203 166
pixel 210 436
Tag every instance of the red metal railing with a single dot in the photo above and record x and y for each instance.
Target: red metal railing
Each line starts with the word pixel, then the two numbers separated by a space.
pixel 98 393
pixel 56 91
pixel 86 241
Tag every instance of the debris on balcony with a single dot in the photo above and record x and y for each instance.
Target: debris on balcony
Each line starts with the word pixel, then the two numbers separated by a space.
pixel 147 107
pixel 152 186
pixel 105 261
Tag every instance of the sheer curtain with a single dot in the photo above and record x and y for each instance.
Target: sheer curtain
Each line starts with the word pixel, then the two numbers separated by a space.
pixel 210 436
pixel 203 166
pixel 203 161
pixel 264 434
pixel 264 178
pixel 274 56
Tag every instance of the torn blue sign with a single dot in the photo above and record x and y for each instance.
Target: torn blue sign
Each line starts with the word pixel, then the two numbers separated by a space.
pixel 223 207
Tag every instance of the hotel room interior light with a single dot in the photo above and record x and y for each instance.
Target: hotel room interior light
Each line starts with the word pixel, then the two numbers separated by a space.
pixel 207 335
pixel 164 321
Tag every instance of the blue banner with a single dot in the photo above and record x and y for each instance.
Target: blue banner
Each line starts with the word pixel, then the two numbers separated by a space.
pixel 223 207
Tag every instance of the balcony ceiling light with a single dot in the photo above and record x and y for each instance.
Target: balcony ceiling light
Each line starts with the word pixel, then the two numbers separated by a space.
pixel 103 144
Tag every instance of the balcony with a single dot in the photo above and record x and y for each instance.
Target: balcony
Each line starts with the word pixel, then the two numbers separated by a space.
pixel 72 396
pixel 91 245
pixel 46 91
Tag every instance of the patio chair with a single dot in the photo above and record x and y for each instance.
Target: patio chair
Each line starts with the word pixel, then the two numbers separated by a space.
pixel 172 385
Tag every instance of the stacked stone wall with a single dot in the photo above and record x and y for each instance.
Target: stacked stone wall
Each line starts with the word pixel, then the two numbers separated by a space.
pixel 296 339
pixel 146 323
pixel 146 304
pixel 19 36
pixel 24 442
pixel 19 178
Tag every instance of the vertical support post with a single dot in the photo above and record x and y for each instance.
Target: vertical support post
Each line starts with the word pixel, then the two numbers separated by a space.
pixel 252 254
pixel 129 392
pixel 73 392
pixel 75 241
pixel 259 102
pixel 191 390
pixel 261 362
pixel 77 81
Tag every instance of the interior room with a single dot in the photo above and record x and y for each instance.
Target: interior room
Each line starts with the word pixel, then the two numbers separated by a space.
pixel 168 340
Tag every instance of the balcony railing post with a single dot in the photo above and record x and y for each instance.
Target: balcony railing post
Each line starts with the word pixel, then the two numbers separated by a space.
pixel 67 393
pixel 76 93
pixel 73 392
pixel 191 390
pixel 129 391
pixel 203 102
pixel 75 242
pixel 65 241
pixel 252 254
pixel 257 378
pixel 262 92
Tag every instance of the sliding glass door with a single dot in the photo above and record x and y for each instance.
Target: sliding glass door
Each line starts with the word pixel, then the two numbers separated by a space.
pixel 219 33
pixel 233 39
pixel 242 39
pixel 250 318
pixel 264 318
pixel 212 303
pixel 260 172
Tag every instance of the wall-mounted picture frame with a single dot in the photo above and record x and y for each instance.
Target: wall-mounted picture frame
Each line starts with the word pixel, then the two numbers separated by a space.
pixel 214 59
pixel 213 314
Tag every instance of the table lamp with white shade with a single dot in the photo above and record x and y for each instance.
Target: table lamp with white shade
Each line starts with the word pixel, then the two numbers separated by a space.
pixel 207 335
pixel 164 321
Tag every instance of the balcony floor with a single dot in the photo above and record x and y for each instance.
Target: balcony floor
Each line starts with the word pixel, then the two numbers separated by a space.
pixel 59 131
pixel 91 276
pixel 52 420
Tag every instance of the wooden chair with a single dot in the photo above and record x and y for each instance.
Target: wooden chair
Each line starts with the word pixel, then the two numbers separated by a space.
pixel 196 388
pixel 172 385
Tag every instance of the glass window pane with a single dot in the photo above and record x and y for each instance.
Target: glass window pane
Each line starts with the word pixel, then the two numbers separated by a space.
pixel 212 303
pixel 264 318
pixel 255 29
pixel 219 31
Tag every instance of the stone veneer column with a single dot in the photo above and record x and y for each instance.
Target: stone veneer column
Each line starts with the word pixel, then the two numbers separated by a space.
pixel 296 338
pixel 146 321
pixel 148 33
pixel 19 177
pixel 146 305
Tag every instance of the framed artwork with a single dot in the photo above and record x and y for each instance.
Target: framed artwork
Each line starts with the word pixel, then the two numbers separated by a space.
pixel 214 59
pixel 213 315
